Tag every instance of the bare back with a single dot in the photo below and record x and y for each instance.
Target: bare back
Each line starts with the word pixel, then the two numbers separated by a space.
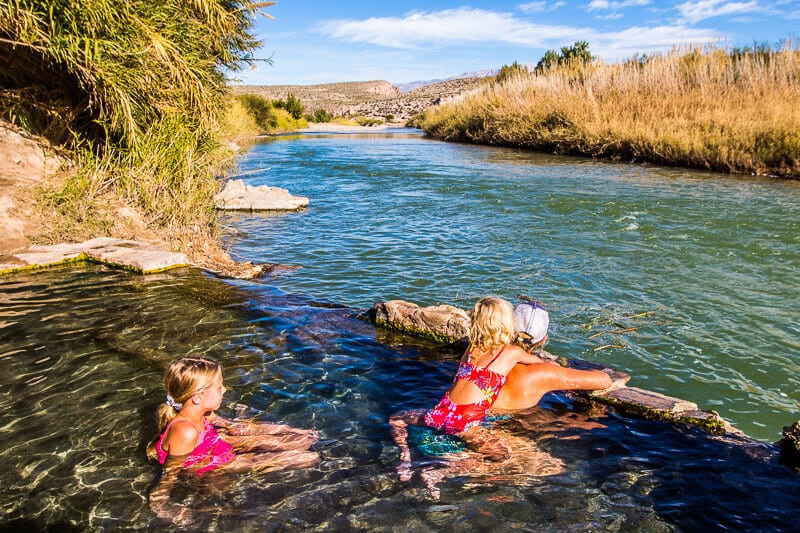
pixel 499 360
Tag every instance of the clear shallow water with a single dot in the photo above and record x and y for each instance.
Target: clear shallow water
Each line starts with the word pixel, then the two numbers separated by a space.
pixel 83 352
pixel 84 349
pixel 711 259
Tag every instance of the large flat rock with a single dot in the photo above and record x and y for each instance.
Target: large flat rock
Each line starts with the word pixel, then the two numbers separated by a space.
pixel 237 196
pixel 132 255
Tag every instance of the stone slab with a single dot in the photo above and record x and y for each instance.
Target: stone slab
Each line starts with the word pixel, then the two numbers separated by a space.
pixel 444 323
pixel 651 400
pixel 139 257
pixel 237 196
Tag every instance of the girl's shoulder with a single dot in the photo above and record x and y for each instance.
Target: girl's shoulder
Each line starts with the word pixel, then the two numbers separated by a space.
pixel 512 350
pixel 181 430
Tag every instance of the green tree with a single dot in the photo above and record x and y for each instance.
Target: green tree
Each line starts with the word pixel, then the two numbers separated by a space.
pixel 510 71
pixel 549 60
pixel 321 115
pixel 577 52
pixel 292 104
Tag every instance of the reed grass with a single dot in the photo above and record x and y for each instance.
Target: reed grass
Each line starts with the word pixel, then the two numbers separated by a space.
pixel 703 108
pixel 138 91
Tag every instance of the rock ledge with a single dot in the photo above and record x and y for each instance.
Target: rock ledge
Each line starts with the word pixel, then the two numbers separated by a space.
pixel 135 256
pixel 235 195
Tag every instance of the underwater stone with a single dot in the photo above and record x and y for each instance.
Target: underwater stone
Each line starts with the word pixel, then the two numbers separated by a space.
pixel 790 445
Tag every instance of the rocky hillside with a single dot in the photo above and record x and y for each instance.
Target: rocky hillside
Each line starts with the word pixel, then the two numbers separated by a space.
pixel 372 99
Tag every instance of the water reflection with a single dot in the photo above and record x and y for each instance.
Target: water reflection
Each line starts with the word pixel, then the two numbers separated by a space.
pixel 711 258
pixel 84 352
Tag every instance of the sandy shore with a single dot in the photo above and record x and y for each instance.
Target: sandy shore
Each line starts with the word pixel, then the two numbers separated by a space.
pixel 329 127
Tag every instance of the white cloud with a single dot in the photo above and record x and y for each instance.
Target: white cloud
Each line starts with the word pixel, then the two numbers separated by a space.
pixel 694 12
pixel 462 26
pixel 451 26
pixel 606 4
pixel 533 7
pixel 637 40
pixel 538 7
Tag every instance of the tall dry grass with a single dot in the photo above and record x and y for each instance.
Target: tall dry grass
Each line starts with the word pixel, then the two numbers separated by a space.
pixel 699 107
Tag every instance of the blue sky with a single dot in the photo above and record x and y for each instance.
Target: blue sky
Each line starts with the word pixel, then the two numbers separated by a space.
pixel 314 41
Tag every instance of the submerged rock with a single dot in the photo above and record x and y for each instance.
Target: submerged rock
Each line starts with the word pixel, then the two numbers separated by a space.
pixel 235 195
pixel 790 445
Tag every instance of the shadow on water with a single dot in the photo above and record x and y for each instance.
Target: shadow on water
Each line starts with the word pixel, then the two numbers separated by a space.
pixel 83 353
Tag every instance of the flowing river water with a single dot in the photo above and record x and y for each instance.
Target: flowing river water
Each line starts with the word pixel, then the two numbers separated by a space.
pixel 685 280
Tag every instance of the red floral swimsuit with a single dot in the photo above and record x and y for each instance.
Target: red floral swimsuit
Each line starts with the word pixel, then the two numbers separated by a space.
pixel 456 418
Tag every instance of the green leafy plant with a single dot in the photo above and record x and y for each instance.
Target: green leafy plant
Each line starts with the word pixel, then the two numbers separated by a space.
pixel 136 89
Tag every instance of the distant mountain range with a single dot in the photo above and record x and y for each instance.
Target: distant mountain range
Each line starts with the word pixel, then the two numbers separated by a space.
pixel 410 86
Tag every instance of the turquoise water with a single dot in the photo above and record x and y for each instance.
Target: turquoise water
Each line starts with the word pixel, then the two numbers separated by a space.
pixel 84 349
pixel 712 260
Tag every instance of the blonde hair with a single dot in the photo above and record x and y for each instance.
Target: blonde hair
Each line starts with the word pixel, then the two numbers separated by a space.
pixel 185 377
pixel 492 323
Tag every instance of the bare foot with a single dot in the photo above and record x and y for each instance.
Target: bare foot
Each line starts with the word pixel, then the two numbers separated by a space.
pixel 404 471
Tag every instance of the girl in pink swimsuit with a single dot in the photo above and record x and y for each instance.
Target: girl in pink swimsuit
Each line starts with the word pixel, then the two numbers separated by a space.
pixel 193 438
pixel 479 381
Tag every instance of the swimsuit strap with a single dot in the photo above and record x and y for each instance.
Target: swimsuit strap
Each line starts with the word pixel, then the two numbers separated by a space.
pixel 495 358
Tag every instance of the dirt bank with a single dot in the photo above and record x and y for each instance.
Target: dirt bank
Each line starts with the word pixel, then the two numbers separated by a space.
pixel 29 165
pixel 26 163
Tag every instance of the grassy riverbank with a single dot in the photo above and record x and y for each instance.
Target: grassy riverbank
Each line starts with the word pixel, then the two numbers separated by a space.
pixel 700 108
pixel 135 95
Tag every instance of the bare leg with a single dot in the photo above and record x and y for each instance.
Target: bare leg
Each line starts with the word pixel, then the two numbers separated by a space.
pixel 399 423
pixel 431 478
pixel 482 440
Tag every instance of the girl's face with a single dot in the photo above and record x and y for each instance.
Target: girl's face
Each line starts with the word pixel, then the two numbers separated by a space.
pixel 211 398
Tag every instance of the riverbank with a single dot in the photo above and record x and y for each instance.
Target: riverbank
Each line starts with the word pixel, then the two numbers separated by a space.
pixel 31 167
pixel 712 109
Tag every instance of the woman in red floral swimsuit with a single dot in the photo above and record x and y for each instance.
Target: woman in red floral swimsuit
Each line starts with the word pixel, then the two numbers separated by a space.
pixel 479 380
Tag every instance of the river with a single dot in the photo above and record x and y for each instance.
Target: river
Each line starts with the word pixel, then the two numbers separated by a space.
pixel 686 280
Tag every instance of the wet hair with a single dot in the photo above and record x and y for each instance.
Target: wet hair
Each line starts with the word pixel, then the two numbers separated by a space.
pixel 492 323
pixel 185 377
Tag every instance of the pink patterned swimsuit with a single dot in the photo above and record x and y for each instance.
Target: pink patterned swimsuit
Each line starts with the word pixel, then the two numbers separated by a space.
pixel 453 418
pixel 212 452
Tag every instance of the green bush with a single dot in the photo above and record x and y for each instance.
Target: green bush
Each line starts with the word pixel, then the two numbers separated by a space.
pixel 260 109
pixel 368 121
pixel 578 52
pixel 510 71
pixel 321 115
pixel 139 85
pixel 292 105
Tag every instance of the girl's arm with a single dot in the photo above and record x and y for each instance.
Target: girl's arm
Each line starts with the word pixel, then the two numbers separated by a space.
pixel 248 427
pixel 562 378
pixel 159 496
pixel 519 355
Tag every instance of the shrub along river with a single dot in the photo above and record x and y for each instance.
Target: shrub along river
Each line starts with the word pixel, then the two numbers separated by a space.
pixel 686 280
